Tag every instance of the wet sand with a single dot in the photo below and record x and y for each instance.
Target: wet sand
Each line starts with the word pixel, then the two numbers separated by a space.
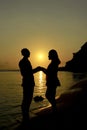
pixel 71 112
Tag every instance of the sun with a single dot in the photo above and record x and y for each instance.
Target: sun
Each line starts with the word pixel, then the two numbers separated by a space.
pixel 40 56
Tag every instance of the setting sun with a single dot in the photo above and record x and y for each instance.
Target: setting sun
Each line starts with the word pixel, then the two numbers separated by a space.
pixel 40 56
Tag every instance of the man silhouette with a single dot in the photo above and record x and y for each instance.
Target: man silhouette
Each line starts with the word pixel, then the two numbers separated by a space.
pixel 27 82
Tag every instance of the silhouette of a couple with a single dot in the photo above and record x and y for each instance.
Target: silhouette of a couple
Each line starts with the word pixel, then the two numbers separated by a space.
pixel 28 82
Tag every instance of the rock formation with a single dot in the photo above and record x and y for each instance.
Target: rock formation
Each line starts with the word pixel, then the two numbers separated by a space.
pixel 79 61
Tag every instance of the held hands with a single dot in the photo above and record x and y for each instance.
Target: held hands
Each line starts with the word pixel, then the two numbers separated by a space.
pixel 37 69
pixel 41 69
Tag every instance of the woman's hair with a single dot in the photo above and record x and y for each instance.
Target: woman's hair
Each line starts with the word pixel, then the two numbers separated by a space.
pixel 54 55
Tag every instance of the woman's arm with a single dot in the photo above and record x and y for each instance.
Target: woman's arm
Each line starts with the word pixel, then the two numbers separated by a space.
pixel 44 70
pixel 36 69
pixel 39 69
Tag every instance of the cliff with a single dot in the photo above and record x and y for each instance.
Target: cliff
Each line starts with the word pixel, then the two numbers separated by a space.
pixel 79 61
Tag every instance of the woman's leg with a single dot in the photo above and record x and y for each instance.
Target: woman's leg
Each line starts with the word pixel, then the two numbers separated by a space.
pixel 50 95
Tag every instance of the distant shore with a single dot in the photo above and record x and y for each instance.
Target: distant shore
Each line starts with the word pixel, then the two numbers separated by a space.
pixel 60 69
pixel 6 70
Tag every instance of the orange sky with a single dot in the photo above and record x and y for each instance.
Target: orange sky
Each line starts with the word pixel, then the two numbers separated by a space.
pixel 41 25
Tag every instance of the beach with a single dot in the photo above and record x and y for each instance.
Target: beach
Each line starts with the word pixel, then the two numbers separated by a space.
pixel 71 111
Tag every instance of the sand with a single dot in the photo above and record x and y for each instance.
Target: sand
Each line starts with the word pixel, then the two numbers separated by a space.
pixel 71 112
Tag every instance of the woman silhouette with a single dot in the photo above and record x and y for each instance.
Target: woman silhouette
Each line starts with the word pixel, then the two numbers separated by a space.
pixel 52 80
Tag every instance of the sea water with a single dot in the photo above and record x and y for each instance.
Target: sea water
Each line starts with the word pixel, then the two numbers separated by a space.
pixel 11 93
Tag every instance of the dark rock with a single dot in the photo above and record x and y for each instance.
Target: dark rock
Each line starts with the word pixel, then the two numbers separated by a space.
pixel 38 98
pixel 79 61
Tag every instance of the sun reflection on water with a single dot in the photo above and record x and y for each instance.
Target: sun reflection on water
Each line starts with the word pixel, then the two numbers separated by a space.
pixel 40 81
pixel 40 84
pixel 40 77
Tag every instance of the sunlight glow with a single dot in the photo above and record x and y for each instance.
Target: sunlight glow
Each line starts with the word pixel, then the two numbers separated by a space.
pixel 40 77
pixel 40 56
pixel 40 81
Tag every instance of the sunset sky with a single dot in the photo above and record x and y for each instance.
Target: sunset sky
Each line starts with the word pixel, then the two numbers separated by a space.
pixel 41 25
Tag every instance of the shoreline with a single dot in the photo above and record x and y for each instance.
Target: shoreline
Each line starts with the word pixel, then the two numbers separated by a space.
pixel 71 111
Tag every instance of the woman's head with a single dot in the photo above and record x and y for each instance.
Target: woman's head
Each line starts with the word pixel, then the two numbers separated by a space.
pixel 53 56
pixel 25 52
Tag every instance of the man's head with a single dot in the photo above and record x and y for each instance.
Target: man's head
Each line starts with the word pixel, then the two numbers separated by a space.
pixel 25 52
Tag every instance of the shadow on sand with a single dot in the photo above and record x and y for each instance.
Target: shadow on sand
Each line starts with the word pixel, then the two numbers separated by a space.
pixel 71 112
